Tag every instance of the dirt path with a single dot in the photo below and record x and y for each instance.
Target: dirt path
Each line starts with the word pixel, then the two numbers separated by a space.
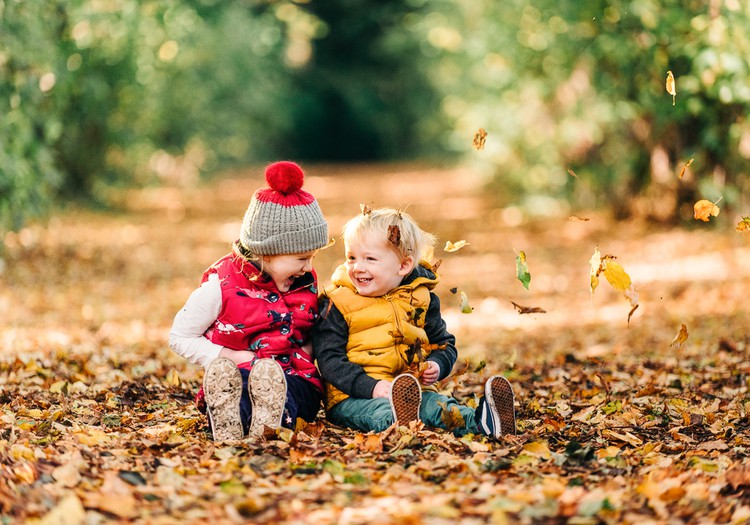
pixel 616 425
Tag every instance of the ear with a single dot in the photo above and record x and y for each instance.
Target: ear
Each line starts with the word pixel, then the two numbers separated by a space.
pixel 407 265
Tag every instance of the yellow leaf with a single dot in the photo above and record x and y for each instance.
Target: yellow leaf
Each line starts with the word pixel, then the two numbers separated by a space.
pixel 686 166
pixel 537 449
pixel 454 247
pixel 173 378
pixel 681 336
pixel 616 275
pixel 479 138
pixel 596 265
pixel 451 417
pixel 465 307
pixel 671 87
pixel 744 225
pixel 703 209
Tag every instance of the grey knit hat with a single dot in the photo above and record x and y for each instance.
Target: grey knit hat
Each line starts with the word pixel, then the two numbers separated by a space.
pixel 283 218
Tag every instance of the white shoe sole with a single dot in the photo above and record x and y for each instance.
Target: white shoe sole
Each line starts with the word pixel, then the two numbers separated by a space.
pixel 222 386
pixel 267 389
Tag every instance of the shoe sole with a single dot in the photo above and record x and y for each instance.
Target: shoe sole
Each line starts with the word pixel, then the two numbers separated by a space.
pixel 267 388
pixel 500 400
pixel 405 398
pixel 222 387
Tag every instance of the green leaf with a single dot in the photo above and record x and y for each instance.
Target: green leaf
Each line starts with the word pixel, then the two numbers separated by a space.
pixel 522 270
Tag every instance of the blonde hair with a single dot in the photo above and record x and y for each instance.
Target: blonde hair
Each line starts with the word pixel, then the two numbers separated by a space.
pixel 398 229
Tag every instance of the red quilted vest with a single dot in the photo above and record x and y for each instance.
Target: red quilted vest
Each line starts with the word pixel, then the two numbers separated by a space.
pixel 256 316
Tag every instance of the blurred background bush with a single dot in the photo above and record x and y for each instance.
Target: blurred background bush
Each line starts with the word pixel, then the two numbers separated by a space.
pixel 101 94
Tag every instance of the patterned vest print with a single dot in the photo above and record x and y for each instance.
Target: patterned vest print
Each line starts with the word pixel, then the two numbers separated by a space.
pixel 381 329
pixel 256 316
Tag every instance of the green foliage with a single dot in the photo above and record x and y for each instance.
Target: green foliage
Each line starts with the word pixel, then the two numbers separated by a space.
pixel 95 94
pixel 581 86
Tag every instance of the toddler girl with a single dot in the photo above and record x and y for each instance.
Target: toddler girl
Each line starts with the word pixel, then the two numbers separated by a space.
pixel 249 321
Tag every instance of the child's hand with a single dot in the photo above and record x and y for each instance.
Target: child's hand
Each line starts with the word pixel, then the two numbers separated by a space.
pixel 382 389
pixel 431 374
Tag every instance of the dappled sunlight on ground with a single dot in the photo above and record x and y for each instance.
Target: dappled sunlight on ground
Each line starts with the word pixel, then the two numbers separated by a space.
pixel 92 272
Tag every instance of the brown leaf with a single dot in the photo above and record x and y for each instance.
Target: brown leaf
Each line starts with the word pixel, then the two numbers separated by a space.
pixel 479 138
pixel 394 235
pixel 685 167
pixel 528 309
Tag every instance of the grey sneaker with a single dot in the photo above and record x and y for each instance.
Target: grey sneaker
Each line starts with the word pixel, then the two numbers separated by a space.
pixel 267 388
pixel 498 415
pixel 222 386
pixel 405 397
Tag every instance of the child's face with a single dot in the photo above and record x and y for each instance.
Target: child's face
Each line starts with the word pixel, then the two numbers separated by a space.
pixel 373 267
pixel 283 269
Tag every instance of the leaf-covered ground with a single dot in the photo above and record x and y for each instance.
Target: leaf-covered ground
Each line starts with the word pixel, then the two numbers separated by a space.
pixel 618 421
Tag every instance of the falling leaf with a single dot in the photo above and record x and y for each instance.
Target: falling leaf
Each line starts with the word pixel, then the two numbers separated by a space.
pixel 671 87
pixel 681 336
pixel 454 290
pixel 686 166
pixel 596 268
pixel 454 247
pixel 573 173
pixel 577 218
pixel 365 209
pixel 704 209
pixel 479 138
pixel 743 225
pixel 464 306
pixel 615 274
pixel 528 309
pixel 394 235
pixel 522 270
pixel 630 313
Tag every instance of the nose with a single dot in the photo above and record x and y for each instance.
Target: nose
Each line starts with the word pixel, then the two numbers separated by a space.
pixel 308 265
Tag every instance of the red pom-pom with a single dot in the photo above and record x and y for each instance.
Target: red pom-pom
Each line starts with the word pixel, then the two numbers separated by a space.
pixel 284 176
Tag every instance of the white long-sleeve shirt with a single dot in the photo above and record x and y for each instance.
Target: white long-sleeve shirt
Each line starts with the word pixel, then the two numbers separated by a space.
pixel 191 322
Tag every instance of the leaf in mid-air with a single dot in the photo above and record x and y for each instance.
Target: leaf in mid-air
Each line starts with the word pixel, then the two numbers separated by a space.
pixel 671 87
pixel 744 225
pixel 681 336
pixel 454 247
pixel 686 166
pixel 704 209
pixel 479 138
pixel 522 270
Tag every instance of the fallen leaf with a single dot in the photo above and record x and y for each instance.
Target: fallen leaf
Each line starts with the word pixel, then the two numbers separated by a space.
pixel 686 166
pixel 451 417
pixel 68 511
pixel 704 209
pixel 365 209
pixel 681 336
pixel 454 247
pixel 577 218
pixel 479 138
pixel 671 87
pixel 522 269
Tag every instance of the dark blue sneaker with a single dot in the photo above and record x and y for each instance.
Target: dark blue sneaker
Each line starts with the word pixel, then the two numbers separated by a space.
pixel 496 413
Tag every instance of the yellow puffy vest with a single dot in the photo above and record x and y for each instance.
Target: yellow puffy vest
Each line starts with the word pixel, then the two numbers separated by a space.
pixel 381 329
